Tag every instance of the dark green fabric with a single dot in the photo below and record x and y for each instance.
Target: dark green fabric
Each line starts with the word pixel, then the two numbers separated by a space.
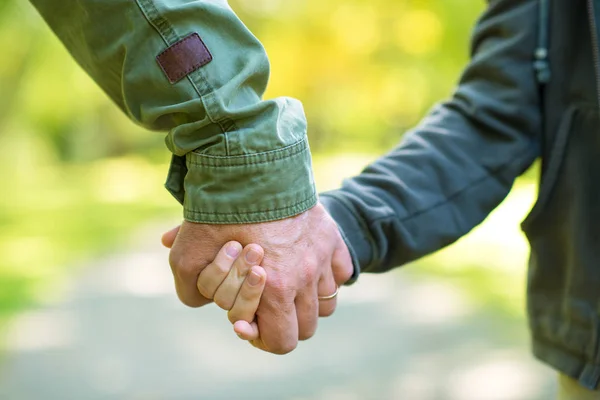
pixel 237 158
pixel 450 172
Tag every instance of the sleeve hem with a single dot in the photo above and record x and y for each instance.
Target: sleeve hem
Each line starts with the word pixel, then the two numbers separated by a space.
pixel 251 188
pixel 249 217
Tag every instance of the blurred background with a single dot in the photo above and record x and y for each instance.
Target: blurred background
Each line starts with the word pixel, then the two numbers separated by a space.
pixel 87 308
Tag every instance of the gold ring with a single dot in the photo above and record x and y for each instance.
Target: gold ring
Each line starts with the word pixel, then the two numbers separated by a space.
pixel 331 296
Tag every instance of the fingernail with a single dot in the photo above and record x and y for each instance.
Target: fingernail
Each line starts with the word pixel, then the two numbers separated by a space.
pixel 253 279
pixel 232 250
pixel 252 256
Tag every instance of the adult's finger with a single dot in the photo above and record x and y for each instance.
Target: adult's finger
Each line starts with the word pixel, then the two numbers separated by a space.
pixel 277 320
pixel 191 298
pixel 327 287
pixel 341 264
pixel 215 273
pixel 228 290
pixel 307 310
pixel 248 299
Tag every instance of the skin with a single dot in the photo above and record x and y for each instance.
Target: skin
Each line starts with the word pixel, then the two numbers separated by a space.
pixel 243 312
pixel 304 257
pixel 237 285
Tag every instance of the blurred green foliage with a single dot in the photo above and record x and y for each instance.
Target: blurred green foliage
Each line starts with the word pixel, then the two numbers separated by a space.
pixel 366 71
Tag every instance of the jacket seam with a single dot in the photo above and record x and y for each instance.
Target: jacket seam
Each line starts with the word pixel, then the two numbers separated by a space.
pixel 271 155
pixel 448 199
pixel 167 32
pixel 158 21
pixel 220 122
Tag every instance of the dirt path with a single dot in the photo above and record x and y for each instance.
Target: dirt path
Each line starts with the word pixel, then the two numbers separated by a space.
pixel 120 333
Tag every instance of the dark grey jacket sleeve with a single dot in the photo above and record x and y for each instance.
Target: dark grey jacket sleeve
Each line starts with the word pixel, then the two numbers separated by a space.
pixel 453 169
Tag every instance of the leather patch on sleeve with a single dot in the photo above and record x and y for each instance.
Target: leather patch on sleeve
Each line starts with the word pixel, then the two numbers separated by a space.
pixel 184 57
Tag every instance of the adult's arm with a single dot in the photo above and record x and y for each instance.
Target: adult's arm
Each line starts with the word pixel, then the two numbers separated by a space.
pixel 235 155
pixel 453 169
pixel 241 166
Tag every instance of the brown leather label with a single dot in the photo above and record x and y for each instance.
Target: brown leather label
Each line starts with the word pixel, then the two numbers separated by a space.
pixel 184 57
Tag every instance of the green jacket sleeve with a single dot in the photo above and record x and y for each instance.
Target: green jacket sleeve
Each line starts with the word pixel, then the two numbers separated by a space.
pixel 453 169
pixel 193 69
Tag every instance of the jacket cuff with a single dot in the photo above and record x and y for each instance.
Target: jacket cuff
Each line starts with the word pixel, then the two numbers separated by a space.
pixel 250 188
pixel 353 231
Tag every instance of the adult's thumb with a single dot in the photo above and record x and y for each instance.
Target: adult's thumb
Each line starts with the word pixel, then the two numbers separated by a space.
pixel 168 238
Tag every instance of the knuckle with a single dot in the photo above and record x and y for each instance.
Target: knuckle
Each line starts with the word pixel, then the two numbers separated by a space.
pixel 248 294
pixel 278 287
pixel 346 275
pixel 243 301
pixel 174 259
pixel 276 283
pixel 221 267
pixel 204 290
pixel 285 348
pixel 190 302
pixel 310 271
pixel 186 269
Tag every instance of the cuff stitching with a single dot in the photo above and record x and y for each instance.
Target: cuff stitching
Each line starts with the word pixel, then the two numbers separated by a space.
pixel 205 160
pixel 300 204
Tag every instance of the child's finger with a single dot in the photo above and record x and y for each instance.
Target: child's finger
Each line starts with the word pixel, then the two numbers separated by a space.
pixel 246 303
pixel 246 331
pixel 213 275
pixel 226 294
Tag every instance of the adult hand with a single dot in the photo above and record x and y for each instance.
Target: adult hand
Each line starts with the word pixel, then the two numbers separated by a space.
pixel 305 257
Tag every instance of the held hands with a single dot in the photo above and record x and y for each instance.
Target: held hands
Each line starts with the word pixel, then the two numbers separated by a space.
pixel 235 282
pixel 304 258
pixel 236 285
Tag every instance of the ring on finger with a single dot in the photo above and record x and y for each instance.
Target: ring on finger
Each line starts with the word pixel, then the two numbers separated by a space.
pixel 331 296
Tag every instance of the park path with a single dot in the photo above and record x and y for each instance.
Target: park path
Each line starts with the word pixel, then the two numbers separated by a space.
pixel 120 333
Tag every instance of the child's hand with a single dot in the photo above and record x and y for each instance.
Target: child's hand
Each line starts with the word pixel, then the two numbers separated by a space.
pixel 235 281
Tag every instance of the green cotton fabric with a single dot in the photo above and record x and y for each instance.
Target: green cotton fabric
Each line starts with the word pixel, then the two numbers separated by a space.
pixel 236 157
